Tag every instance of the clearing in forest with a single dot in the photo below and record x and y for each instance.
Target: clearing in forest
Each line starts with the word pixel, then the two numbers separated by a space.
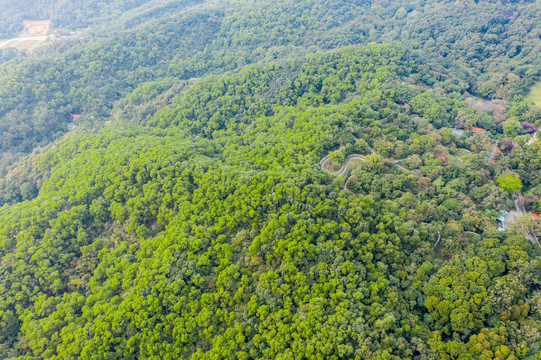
pixel 35 28
pixel 34 33
pixel 23 43
pixel 535 94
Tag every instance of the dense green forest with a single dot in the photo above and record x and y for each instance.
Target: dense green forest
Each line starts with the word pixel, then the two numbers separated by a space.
pixel 76 15
pixel 204 205
pixel 497 55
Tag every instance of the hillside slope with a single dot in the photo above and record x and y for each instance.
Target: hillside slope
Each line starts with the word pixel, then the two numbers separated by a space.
pixel 186 213
pixel 489 47
pixel 213 233
pixel 72 15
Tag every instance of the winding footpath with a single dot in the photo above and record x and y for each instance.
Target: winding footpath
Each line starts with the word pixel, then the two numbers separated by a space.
pixel 344 167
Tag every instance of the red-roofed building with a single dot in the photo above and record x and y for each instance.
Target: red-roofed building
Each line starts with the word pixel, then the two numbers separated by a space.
pixel 476 130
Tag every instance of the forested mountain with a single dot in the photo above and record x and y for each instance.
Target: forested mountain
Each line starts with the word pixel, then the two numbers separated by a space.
pixel 274 180
pixel 76 15
pixel 490 48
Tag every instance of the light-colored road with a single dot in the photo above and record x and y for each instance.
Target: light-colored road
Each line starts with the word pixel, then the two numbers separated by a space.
pixel 346 184
pixel 344 167
pixel 323 161
pixel 16 41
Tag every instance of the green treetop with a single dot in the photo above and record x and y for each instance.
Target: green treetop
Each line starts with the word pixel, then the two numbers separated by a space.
pixel 509 182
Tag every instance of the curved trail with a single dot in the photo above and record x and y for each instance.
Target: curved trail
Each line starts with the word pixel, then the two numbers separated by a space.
pixel 344 167
pixel 346 184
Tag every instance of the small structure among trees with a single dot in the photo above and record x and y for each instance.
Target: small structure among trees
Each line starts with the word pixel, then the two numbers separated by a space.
pixel 477 129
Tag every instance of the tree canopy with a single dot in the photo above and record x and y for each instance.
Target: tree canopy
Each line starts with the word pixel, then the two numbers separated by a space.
pixel 195 209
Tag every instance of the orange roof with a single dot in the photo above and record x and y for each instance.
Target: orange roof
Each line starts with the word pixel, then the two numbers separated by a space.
pixel 498 150
pixel 476 129
pixel 535 216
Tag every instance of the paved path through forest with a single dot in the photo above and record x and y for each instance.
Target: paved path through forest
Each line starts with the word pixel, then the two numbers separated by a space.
pixel 344 167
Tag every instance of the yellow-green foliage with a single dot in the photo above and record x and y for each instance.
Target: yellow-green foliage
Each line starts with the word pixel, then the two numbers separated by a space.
pixel 213 233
